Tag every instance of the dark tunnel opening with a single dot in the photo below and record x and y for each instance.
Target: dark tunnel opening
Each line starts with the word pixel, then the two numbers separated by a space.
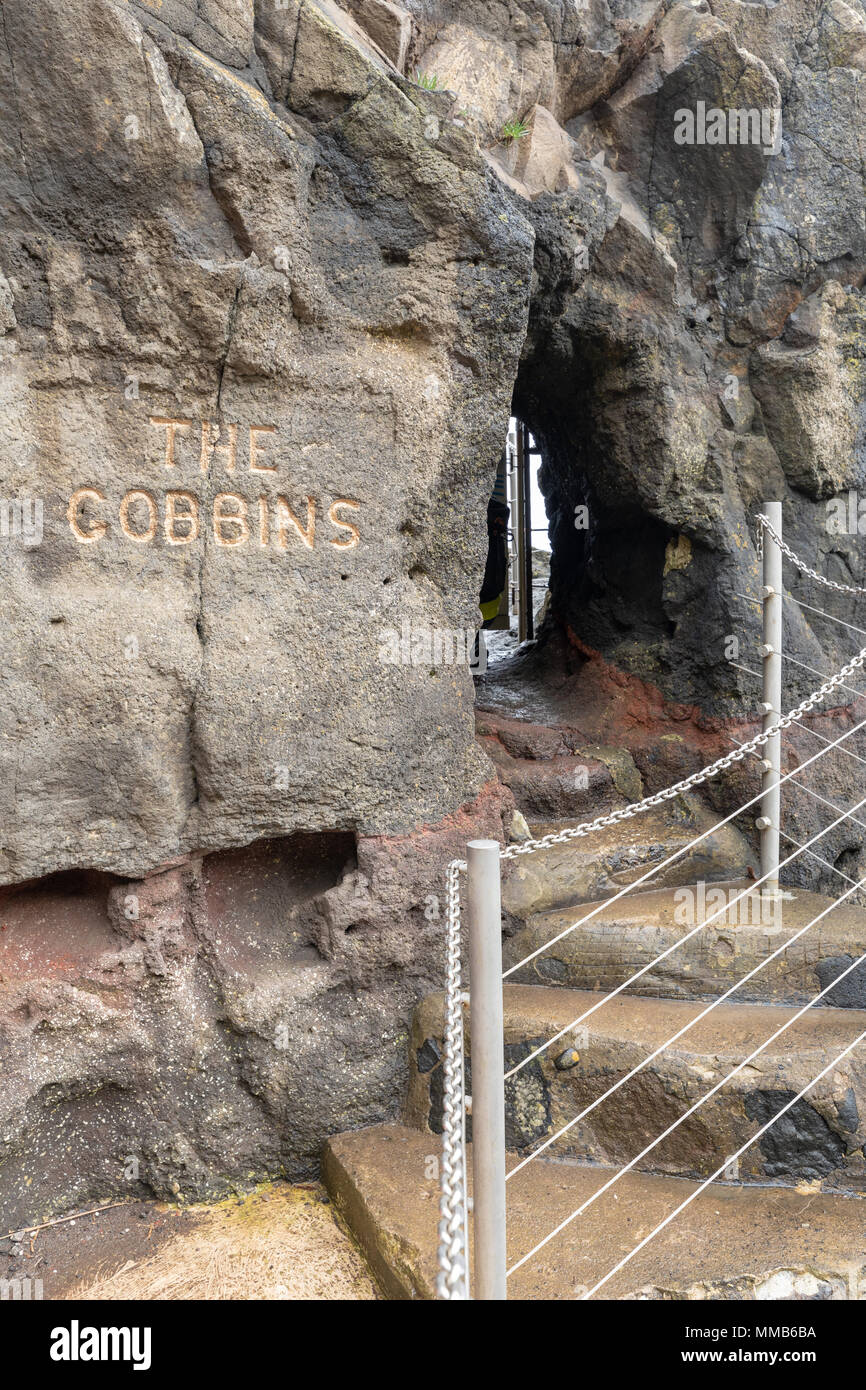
pixel 645 571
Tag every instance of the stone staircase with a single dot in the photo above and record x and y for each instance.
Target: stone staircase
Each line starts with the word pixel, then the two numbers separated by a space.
pixel 788 1222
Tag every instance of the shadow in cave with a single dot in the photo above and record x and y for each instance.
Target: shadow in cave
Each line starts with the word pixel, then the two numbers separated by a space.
pixel 598 590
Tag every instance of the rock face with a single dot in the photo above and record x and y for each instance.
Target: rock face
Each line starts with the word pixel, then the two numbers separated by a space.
pixel 205 1027
pixel 674 365
pixel 263 307
pixel 258 379
pixel 271 276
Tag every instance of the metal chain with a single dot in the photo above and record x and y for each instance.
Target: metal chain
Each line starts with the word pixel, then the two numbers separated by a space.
pixel 452 1281
pixel 575 832
pixel 763 522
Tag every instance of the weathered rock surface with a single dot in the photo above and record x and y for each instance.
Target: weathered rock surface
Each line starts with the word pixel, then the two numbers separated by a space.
pixel 613 940
pixel 193 1032
pixel 331 315
pixel 333 294
pixel 658 843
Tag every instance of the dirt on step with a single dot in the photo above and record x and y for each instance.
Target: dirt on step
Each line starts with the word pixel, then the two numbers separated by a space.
pixel 281 1242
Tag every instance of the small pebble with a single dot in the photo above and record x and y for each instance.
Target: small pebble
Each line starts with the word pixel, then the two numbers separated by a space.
pixel 567 1059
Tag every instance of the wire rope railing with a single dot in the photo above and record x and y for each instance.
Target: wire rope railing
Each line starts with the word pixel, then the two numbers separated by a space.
pixel 831 1066
pixel 485 997
pixel 638 974
pixel 675 1037
pixel 672 858
pixel 693 1109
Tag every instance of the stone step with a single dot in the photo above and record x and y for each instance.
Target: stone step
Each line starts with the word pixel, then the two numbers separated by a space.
pixel 627 935
pixel 819 1141
pixel 553 772
pixel 593 867
pixel 732 1242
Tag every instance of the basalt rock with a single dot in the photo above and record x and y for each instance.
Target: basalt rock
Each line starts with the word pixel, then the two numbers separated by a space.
pixel 198 1030
pixel 260 371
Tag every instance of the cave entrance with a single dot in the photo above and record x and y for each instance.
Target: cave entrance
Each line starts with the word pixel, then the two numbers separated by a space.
pixel 607 579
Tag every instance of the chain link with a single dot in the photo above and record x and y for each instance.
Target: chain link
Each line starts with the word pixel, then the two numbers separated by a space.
pixel 576 832
pixel 453 1279
pixel 764 522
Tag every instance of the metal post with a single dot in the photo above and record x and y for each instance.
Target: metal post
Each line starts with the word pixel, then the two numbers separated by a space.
pixel 768 822
pixel 488 1067
pixel 527 536
pixel 520 535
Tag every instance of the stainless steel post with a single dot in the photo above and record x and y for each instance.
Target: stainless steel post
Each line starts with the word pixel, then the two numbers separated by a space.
pixel 768 822
pixel 488 1067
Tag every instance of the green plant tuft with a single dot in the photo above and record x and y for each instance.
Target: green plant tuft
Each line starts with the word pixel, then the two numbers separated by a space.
pixel 514 130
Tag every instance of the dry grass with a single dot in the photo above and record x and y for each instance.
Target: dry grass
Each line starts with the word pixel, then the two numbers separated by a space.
pixel 280 1243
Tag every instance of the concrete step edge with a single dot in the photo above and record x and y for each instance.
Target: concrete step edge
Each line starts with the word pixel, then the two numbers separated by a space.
pixel 733 1241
